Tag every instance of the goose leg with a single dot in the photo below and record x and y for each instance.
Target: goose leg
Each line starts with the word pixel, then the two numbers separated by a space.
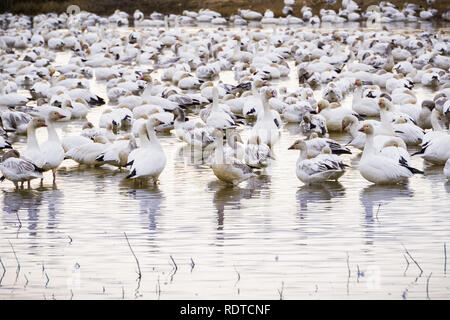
pixel 29 184
pixel 54 175
pixel 16 184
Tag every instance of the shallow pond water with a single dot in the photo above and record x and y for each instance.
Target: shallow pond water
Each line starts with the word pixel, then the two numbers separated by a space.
pixel 196 238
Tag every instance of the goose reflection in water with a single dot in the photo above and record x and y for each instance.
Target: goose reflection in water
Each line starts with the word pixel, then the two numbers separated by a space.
pixel 372 196
pixel 447 186
pixel 226 195
pixel 52 196
pixel 151 200
pixel 313 193
pixel 28 200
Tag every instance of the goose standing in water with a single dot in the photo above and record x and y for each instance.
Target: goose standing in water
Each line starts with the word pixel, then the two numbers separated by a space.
pixel 87 153
pixel 116 153
pixel 52 149
pixel 32 151
pixel 257 154
pixel 379 169
pixel 149 160
pixel 226 167
pixel 18 170
pixel 218 118
pixel 265 127
pixel 325 166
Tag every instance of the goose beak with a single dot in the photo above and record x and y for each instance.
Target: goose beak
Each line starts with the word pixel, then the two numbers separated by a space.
pixel 61 116
pixel 361 129
pixel 292 147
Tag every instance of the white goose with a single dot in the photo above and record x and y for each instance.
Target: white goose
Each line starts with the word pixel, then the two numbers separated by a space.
pixel 74 141
pixel 226 167
pixel 325 166
pixel 379 169
pixel 52 149
pixel 257 154
pixel 265 127
pixel 437 149
pixel 218 118
pixel 18 170
pixel 32 151
pixel 149 160
pixel 116 153
pixel 87 153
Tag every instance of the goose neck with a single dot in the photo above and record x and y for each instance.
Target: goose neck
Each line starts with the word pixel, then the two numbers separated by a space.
pixel 52 134
pixel 31 137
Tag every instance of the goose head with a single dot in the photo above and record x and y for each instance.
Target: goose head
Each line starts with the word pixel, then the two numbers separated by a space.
pixel 101 139
pixel 323 104
pixel 428 104
pixel 400 120
pixel 179 114
pixel 153 122
pixel 348 121
pixel 392 143
pixel 11 154
pixel 367 129
pixel 55 115
pixel 385 104
pixel 37 123
pixel 298 145
pixel 326 150
pixel 87 125
pixel 268 93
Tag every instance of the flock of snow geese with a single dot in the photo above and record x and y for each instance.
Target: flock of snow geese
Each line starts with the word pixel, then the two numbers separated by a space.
pixel 166 79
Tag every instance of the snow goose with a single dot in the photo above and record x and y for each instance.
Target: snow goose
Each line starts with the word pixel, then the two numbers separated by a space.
pixel 184 129
pixel 325 166
pixel 364 105
pixel 436 150
pixel 265 126
pixel 87 153
pixel 18 170
pixel 408 132
pixel 226 167
pixel 74 141
pixel 424 120
pixel 334 113
pixel 116 153
pixel 295 112
pixel 379 169
pixel 218 118
pixel 52 149
pixel 149 160
pixel 352 124
pixel 257 154
pixel 15 121
pixel 315 146
pixel 12 99
pixel 90 131
pixel 314 123
pixel 32 151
